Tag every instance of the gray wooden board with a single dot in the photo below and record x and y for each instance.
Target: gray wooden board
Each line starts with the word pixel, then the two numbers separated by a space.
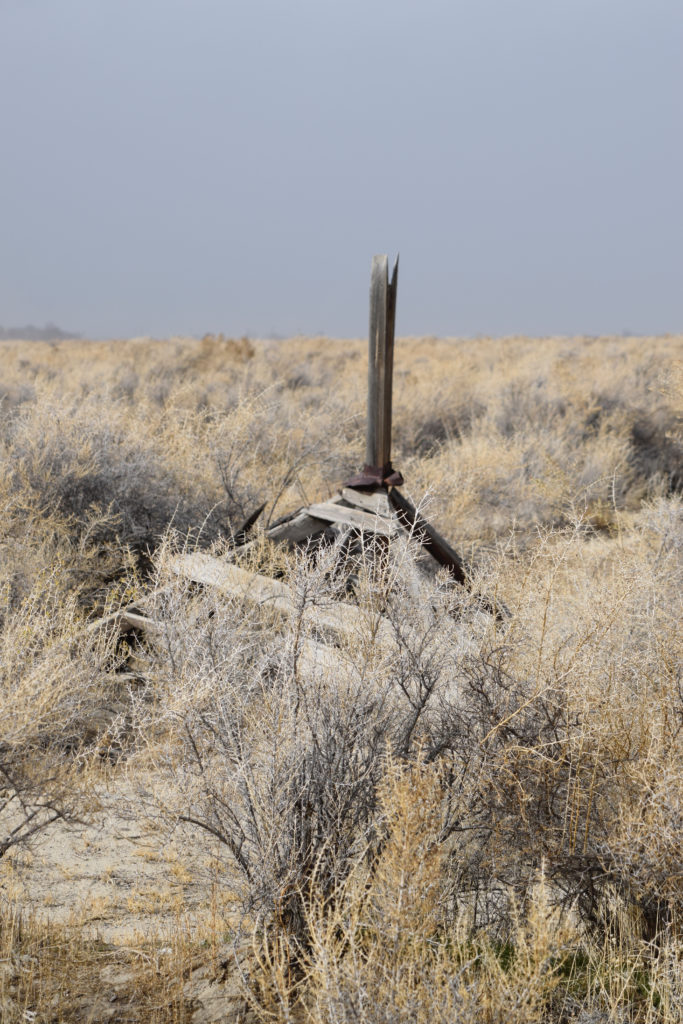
pixel 392 288
pixel 341 619
pixel 370 501
pixel 301 526
pixel 130 615
pixel 315 658
pixel 355 517
pixel 375 442
pixel 136 620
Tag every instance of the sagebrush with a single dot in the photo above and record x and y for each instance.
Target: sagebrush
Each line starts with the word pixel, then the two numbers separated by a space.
pixel 442 814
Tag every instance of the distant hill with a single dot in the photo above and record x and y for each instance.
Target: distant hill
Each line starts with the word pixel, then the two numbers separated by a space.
pixel 50 332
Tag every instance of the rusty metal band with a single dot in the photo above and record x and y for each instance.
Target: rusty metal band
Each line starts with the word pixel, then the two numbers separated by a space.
pixel 376 476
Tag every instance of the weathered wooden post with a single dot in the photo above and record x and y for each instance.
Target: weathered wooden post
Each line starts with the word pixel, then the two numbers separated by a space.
pixel 380 364
pixel 378 471
pixel 368 507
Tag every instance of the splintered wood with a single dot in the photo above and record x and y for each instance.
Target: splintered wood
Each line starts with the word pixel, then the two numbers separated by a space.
pixel 348 511
pixel 369 507
pixel 382 511
pixel 335 619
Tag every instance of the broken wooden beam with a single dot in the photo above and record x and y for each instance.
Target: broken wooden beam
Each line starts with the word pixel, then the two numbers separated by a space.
pixel 431 539
pixel 356 518
pixel 297 527
pixel 380 363
pixel 378 469
pixel 370 501
pixel 339 619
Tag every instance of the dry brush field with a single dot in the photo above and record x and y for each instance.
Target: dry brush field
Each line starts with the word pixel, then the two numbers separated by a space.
pixel 454 816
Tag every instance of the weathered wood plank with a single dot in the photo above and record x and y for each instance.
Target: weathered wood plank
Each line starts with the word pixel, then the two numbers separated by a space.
pixel 372 501
pixel 294 528
pixel 228 578
pixel 392 288
pixel 355 517
pixel 319 659
pixel 375 447
pixel 315 659
pixel 335 617
pixel 299 527
pixel 138 621
pixel 130 615
pixel 240 536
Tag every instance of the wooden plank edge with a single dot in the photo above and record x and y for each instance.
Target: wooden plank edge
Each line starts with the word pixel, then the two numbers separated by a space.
pixel 429 537
pixel 354 517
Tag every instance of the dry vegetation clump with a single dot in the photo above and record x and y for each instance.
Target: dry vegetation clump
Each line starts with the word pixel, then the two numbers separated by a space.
pixel 431 813
pixel 555 736
pixel 54 701
pixel 51 972
pixel 505 433
pixel 528 433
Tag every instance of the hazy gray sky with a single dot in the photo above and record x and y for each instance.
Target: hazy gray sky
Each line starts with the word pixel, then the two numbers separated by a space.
pixel 181 166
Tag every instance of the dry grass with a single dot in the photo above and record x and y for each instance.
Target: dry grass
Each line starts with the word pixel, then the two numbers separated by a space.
pixel 50 972
pixel 452 818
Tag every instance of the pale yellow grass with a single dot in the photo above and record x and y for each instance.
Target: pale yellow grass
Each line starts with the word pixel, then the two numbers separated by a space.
pixel 555 467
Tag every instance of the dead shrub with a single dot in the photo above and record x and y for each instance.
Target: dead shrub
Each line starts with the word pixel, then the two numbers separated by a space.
pixel 53 709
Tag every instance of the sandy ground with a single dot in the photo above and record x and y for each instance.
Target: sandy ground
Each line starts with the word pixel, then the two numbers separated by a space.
pixel 118 877
pixel 127 885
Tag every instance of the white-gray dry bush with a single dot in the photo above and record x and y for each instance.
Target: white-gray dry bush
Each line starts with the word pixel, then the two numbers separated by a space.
pixel 552 729
pixel 275 742
pixel 54 692
pixel 84 466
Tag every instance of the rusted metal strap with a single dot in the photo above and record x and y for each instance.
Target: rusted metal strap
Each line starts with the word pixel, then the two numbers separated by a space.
pixel 376 476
